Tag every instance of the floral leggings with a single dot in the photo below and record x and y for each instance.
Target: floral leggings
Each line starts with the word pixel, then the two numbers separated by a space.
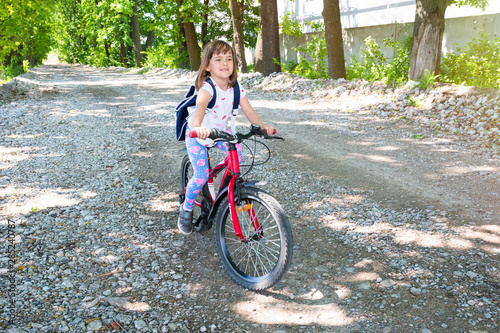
pixel 199 160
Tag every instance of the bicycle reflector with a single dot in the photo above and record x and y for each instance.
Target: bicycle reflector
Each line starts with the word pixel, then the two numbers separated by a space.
pixel 243 208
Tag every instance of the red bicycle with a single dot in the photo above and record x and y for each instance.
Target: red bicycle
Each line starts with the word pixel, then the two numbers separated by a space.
pixel 252 234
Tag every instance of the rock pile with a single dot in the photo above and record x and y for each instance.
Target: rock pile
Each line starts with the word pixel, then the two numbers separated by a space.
pixel 471 114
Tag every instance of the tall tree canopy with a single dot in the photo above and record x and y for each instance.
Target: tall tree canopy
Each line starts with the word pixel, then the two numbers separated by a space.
pixel 25 31
pixel 133 32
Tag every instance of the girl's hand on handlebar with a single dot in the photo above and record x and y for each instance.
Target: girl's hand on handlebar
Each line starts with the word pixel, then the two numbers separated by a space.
pixel 201 132
pixel 269 129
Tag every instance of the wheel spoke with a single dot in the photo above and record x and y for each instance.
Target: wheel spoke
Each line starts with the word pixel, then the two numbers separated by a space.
pixel 261 256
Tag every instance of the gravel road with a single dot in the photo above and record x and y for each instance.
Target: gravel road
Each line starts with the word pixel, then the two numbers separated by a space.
pixel 396 224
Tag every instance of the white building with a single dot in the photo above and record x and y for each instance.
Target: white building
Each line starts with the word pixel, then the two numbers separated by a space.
pixel 390 19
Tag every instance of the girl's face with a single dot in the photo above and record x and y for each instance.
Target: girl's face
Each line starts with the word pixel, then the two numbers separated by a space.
pixel 221 66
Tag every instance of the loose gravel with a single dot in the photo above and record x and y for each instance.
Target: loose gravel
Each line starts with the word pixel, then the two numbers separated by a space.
pixel 89 184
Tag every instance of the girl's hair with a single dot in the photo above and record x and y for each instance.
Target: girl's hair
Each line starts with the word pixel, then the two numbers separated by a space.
pixel 211 49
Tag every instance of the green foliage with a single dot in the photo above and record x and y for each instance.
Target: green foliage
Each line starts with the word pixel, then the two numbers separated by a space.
pixel 374 66
pixel 289 66
pixel 99 33
pixel 427 80
pixel 162 56
pixel 220 22
pixel 316 51
pixel 474 3
pixel 91 33
pixel 478 64
pixel 15 67
pixel 313 62
pixel 415 102
pixel 291 27
pixel 25 34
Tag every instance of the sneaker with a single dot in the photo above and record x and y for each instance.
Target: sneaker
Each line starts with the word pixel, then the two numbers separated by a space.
pixel 185 222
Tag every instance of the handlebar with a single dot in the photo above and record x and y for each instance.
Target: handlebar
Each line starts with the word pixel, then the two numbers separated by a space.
pixel 255 130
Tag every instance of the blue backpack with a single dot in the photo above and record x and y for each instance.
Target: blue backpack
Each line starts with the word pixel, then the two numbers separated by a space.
pixel 181 110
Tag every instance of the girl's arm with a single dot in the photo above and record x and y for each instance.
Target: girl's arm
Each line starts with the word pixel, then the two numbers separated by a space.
pixel 253 117
pixel 199 113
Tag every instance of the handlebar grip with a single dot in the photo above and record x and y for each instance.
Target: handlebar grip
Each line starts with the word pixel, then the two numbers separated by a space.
pixel 193 134
pixel 274 131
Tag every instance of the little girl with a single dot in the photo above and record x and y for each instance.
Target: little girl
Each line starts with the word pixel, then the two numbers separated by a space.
pixel 219 64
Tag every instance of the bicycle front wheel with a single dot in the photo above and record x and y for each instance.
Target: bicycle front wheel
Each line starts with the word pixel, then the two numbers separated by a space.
pixel 262 259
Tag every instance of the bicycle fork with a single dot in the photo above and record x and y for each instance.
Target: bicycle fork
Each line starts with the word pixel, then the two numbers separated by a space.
pixel 234 199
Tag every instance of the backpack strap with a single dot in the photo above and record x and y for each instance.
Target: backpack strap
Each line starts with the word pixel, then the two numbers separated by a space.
pixel 214 97
pixel 236 101
pixel 236 105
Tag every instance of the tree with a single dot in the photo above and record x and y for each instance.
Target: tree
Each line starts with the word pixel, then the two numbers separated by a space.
pixel 270 36
pixel 194 50
pixel 136 36
pixel 190 14
pixel 204 24
pixel 151 28
pixel 25 33
pixel 237 8
pixel 334 41
pixel 258 64
pixel 428 32
pixel 220 13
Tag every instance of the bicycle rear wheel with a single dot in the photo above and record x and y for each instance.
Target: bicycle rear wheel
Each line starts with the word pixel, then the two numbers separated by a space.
pixel 186 172
pixel 261 261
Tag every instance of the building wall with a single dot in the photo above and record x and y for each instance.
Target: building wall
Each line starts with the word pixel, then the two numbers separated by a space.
pixel 388 19
pixel 459 30
pixel 367 13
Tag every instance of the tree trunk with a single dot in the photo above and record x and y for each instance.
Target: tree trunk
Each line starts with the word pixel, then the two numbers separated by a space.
pixel 334 41
pixel 181 41
pixel 106 49
pixel 270 36
pixel 194 50
pixel 151 34
pixel 182 47
pixel 123 55
pixel 136 36
pixel 204 25
pixel 237 7
pixel 258 64
pixel 150 40
pixel 427 38
pixel 7 60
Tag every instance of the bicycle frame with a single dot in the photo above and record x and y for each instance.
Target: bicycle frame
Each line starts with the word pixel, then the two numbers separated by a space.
pixel 230 180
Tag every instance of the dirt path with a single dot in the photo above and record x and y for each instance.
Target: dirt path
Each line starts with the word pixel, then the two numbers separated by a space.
pixel 392 233
pixel 368 153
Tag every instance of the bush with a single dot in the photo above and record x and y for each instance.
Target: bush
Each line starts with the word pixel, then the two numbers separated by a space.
pixel 17 67
pixel 161 56
pixel 376 67
pixel 478 64
pixel 313 62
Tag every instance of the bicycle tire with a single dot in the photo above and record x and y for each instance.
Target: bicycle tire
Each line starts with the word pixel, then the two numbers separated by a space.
pixel 186 174
pixel 185 166
pixel 264 259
